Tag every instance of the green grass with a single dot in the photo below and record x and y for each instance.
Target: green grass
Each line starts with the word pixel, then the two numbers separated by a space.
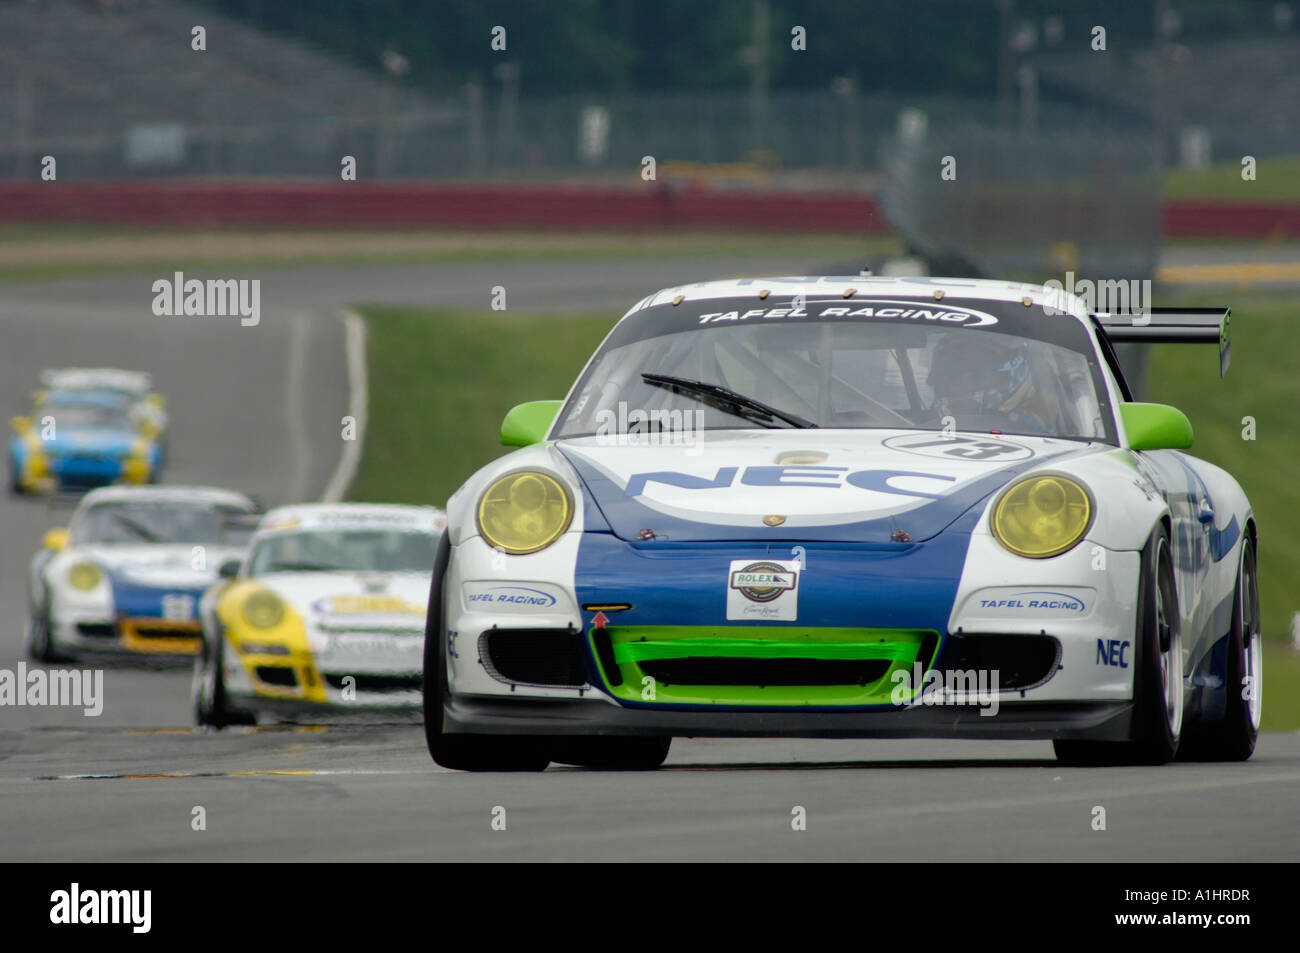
pixel 442 380
pixel 1275 179
pixel 1261 383
pixel 1281 689
pixel 185 253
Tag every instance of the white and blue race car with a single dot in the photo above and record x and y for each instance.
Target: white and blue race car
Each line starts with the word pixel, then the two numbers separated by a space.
pixel 126 576
pixel 849 507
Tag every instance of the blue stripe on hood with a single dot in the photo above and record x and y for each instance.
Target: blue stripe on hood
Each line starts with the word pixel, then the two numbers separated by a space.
pixel 141 601
pixel 890 585
pixel 627 515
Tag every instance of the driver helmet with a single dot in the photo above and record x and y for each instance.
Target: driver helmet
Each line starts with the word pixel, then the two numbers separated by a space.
pixel 979 373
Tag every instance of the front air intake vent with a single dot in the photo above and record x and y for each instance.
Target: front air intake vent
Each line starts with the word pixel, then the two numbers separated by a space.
pixel 549 657
pixel 1021 661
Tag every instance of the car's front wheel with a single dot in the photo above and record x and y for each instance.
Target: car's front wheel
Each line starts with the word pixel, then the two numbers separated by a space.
pixel 40 641
pixel 15 481
pixel 212 708
pixel 455 751
pixel 1157 676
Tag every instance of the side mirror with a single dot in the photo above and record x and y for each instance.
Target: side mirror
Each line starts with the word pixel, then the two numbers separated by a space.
pixel 527 424
pixel 20 424
pixel 1156 427
pixel 229 569
pixel 55 539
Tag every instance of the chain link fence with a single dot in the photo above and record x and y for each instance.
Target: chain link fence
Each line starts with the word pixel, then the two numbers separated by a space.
pixel 394 134
pixel 1026 204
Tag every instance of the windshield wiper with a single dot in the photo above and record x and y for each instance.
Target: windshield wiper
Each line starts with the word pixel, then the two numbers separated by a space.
pixel 135 528
pixel 727 399
pixel 302 567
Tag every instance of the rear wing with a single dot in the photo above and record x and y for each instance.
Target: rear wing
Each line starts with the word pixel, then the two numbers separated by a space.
pixel 238 528
pixel 1172 325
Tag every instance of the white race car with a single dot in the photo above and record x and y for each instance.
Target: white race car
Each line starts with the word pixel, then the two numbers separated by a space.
pixel 324 615
pixel 849 507
pixel 126 576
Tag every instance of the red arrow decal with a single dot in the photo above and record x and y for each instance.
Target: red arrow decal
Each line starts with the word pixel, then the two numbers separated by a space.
pixel 600 620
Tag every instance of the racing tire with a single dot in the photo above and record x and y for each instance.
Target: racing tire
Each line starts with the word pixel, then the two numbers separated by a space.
pixel 212 708
pixel 1156 725
pixel 463 752
pixel 1233 738
pixel 612 754
pixel 40 642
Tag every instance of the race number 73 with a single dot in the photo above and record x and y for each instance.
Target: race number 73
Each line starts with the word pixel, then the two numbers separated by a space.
pixel 969 448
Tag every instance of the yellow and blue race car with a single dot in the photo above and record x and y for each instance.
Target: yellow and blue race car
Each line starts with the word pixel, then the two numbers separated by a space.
pixel 80 439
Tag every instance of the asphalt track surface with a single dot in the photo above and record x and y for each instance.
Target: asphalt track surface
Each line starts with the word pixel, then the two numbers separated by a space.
pixel 258 409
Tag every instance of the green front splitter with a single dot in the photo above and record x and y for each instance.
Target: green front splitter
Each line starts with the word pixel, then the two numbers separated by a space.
pixel 624 650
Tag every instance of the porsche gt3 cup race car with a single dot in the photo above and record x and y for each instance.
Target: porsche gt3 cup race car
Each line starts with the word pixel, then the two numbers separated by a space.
pixel 127 575
pixel 849 507
pixel 324 616
pixel 82 438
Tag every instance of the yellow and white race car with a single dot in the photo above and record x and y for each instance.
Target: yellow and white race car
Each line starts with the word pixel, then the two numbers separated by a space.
pixel 323 615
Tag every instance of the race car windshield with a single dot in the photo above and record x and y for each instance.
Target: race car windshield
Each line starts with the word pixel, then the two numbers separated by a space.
pixel 344 551
pixel 844 374
pixel 100 418
pixel 148 523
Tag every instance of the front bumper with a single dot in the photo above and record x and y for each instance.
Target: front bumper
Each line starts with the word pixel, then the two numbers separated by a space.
pixel 1097 721
pixel 298 683
pixel 1046 651
pixel 70 472
pixel 126 635
pixel 154 636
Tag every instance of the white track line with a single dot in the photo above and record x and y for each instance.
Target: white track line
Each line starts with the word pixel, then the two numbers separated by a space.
pixel 295 412
pixel 354 327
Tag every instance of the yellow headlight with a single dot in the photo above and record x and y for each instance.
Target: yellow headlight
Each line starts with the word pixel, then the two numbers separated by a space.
pixel 524 512
pixel 263 610
pixel 1042 516
pixel 84 576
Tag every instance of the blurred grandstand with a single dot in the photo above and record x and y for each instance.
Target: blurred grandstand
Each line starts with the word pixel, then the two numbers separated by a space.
pixel 114 90
pixel 1216 101
pixel 1060 148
